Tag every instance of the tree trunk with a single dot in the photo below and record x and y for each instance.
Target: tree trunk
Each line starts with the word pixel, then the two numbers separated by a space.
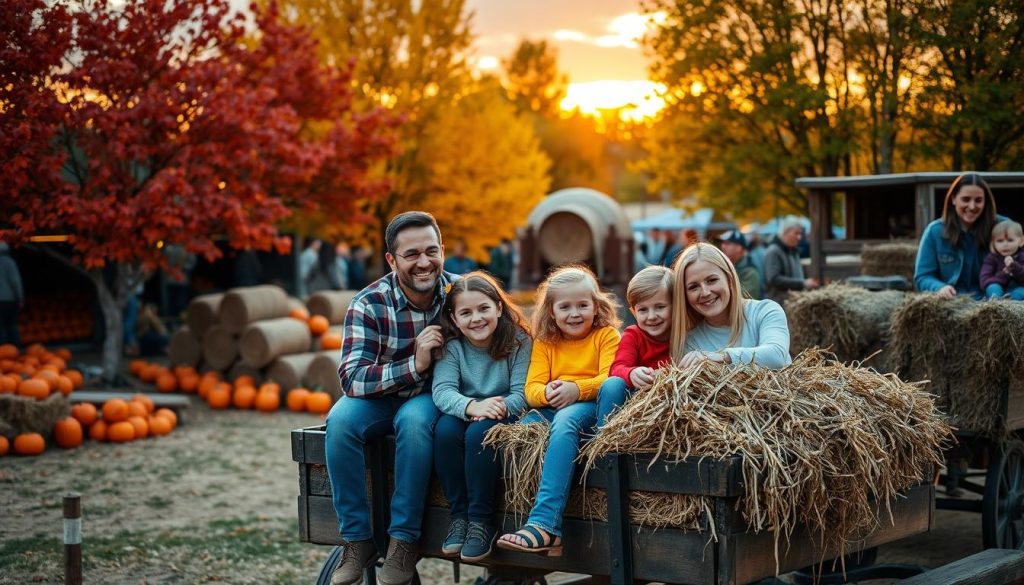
pixel 113 324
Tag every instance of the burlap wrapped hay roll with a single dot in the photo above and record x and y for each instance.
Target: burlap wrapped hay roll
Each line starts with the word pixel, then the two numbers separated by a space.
pixel 852 322
pixel 203 312
pixel 21 414
pixel 245 305
pixel 290 370
pixel 331 304
pixel 240 368
pixel 323 374
pixel 888 259
pixel 220 348
pixel 263 341
pixel 184 348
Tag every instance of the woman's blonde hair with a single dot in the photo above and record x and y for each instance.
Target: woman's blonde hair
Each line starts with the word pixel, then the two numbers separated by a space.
pixel 686 317
pixel 646 283
pixel 605 307
pixel 1007 227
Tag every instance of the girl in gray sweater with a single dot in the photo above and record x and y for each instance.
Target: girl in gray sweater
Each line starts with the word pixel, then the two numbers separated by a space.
pixel 478 383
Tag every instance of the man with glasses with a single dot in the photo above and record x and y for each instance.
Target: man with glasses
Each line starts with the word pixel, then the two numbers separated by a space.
pixel 390 334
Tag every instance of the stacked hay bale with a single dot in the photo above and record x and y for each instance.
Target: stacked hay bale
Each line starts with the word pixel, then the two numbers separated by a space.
pixel 972 354
pixel 890 258
pixel 849 321
pixel 821 441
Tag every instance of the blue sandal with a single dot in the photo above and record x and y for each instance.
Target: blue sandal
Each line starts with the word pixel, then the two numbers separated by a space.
pixel 537 541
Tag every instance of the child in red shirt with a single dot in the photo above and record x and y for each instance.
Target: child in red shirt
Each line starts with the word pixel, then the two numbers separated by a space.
pixel 644 346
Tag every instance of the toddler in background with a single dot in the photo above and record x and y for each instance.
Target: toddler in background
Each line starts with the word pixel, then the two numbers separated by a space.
pixel 1002 271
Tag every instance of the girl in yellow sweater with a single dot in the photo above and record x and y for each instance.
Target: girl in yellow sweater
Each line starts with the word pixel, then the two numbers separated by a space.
pixel 576 329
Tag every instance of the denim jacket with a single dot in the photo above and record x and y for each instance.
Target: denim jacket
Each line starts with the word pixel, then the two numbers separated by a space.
pixel 939 263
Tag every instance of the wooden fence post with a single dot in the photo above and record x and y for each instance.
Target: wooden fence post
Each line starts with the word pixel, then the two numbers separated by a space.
pixel 73 538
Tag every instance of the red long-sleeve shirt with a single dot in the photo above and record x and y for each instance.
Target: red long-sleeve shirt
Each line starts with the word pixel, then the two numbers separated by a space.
pixel 637 349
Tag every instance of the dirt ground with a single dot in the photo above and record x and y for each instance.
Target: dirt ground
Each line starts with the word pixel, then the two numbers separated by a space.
pixel 216 502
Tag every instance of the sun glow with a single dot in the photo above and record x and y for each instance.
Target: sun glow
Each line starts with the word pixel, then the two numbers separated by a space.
pixel 637 99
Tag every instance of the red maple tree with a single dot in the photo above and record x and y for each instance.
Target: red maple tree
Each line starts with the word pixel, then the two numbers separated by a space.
pixel 129 127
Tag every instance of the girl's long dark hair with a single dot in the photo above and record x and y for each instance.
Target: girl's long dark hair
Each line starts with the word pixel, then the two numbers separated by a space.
pixel 982 228
pixel 510 321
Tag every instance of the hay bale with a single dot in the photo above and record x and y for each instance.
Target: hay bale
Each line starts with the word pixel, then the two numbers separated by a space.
pixel 332 304
pixel 245 305
pixel 240 368
pixel 263 341
pixel 184 348
pixel 890 258
pixel 323 374
pixel 969 351
pixel 202 313
pixel 290 370
pixel 849 321
pixel 220 348
pixel 19 414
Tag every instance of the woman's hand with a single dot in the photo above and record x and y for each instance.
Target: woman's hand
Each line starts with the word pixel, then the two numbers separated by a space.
pixel 641 378
pixel 696 356
pixel 564 394
pixel 493 408
pixel 947 292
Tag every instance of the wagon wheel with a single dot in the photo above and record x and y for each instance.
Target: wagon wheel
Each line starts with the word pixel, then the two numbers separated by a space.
pixel 1002 510
pixel 335 557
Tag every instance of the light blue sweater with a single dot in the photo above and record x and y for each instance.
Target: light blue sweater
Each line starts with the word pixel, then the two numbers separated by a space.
pixel 467 372
pixel 764 340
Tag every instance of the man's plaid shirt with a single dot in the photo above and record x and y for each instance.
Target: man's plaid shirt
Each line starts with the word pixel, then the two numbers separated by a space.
pixel 379 350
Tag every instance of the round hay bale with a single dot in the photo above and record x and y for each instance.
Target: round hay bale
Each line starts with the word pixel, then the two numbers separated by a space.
pixel 203 312
pixel 891 258
pixel 245 305
pixel 20 414
pixel 323 374
pixel 566 237
pixel 332 304
pixel 240 368
pixel 263 341
pixel 220 348
pixel 184 348
pixel 849 321
pixel 290 370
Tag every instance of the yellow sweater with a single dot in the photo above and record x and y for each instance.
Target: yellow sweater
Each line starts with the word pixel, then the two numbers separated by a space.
pixel 583 361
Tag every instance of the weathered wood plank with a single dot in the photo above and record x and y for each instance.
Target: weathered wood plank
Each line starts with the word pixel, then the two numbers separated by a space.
pixel 988 567
pixel 175 402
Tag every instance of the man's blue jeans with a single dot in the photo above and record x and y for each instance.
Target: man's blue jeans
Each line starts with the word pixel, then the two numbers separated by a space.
pixel 996 291
pixel 614 393
pixel 352 423
pixel 567 427
pixel 468 471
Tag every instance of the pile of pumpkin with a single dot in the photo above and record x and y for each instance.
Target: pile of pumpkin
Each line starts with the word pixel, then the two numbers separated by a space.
pixel 49 318
pixel 38 372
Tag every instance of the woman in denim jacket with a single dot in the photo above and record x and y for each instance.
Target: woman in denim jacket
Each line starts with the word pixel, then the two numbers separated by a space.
pixel 952 247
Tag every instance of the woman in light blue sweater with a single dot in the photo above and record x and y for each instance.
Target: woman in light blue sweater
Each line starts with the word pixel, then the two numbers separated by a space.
pixel 711 320
pixel 478 383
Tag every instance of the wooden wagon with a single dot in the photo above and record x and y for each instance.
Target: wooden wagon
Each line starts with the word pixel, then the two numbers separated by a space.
pixel 615 549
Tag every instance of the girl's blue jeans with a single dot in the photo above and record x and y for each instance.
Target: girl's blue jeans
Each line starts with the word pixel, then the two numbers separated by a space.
pixel 353 422
pixel 468 472
pixel 567 427
pixel 614 393
pixel 996 291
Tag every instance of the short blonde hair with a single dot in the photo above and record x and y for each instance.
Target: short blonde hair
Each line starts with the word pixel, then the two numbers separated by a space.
pixel 646 283
pixel 544 326
pixel 685 317
pixel 1007 227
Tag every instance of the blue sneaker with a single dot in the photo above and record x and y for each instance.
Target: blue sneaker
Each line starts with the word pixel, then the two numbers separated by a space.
pixel 452 545
pixel 479 542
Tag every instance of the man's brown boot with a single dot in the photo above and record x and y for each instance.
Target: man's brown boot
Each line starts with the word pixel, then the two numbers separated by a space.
pixel 400 564
pixel 356 557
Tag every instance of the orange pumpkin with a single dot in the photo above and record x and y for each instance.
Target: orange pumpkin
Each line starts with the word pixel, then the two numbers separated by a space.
pixel 34 388
pixel 137 408
pixel 67 433
pixel 268 401
pixel 84 413
pixel 8 385
pixel 271 387
pixel 149 373
pixel 318 402
pixel 29 444
pixel 136 366
pixel 299 313
pixel 141 426
pixel 220 397
pixel 63 353
pixel 159 426
pixel 8 351
pixel 5 445
pixel 146 400
pixel 182 371
pixel 168 414
pixel 115 410
pixel 65 385
pixel 76 378
pixel 120 432
pixel 36 349
pixel 296 399
pixel 208 383
pixel 50 376
pixel 245 380
pixel 318 325
pixel 244 397
pixel 98 431
pixel 56 363
pixel 166 382
pixel 330 340
pixel 188 383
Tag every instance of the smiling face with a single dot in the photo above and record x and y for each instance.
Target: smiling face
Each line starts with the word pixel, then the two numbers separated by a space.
pixel 969 204
pixel 417 262
pixel 573 310
pixel 707 292
pixel 654 315
pixel 476 316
